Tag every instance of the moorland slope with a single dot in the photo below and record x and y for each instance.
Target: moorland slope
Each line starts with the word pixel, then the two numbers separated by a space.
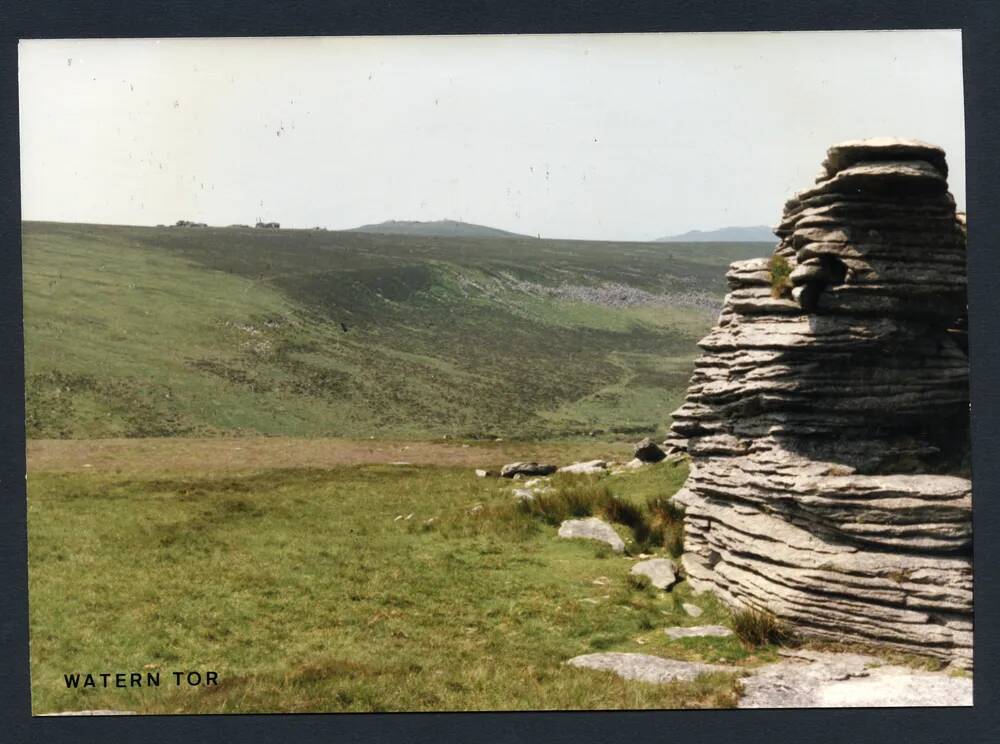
pixel 143 331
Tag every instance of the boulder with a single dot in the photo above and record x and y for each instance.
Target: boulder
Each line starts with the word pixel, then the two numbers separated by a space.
pixel 526 468
pixel 592 528
pixel 648 451
pixel 660 571
pixel 590 467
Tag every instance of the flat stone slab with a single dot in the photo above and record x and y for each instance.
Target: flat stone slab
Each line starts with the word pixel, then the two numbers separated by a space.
pixel 646 668
pixel 590 467
pixel 96 712
pixel 661 572
pixel 826 680
pixel 699 631
pixel 592 528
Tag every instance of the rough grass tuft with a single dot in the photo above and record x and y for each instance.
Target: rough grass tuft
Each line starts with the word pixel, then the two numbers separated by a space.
pixel 568 501
pixel 758 627
pixel 658 523
pixel 639 582
pixel 667 522
pixel 781 270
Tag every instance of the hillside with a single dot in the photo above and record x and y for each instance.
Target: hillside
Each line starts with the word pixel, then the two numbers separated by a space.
pixel 752 234
pixel 441 228
pixel 141 331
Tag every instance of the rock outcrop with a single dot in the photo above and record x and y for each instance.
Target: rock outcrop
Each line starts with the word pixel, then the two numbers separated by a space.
pixel 828 420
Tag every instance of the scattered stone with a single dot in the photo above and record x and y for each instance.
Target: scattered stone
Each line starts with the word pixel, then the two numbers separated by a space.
pixel 534 483
pixel 648 451
pixel 526 468
pixel 646 668
pixel 592 528
pixel 486 473
pixel 828 427
pixel 828 680
pixel 524 494
pixel 699 631
pixel 660 571
pixel 692 609
pixel 590 467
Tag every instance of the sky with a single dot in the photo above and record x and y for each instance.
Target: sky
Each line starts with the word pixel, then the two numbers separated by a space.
pixel 599 136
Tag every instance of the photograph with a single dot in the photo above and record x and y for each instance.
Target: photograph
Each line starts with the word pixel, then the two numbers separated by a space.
pixel 496 372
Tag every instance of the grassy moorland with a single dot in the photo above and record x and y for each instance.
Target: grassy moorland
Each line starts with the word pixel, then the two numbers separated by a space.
pixel 140 332
pixel 353 588
pixel 213 415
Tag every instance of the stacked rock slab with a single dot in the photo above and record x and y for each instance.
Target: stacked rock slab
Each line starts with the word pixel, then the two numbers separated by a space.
pixel 827 421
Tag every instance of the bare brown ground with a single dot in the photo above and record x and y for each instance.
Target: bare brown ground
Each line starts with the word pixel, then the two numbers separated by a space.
pixel 227 455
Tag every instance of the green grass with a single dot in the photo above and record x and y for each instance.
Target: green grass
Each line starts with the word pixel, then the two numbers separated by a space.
pixel 781 272
pixel 315 590
pixel 133 331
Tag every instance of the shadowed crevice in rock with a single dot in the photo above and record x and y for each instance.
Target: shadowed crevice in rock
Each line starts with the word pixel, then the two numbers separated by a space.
pixel 828 419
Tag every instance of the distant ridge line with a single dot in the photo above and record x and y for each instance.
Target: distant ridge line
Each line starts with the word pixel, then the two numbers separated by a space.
pixel 443 228
pixel 748 234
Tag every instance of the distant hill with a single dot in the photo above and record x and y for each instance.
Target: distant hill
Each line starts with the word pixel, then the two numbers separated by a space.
pixel 149 332
pixel 752 234
pixel 444 228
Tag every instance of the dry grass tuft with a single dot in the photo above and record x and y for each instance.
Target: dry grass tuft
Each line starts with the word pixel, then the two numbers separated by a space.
pixel 758 627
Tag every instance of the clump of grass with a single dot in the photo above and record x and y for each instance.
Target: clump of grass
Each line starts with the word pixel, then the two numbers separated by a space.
pixel 630 515
pixel 781 270
pixel 639 582
pixel 758 627
pixel 667 521
pixel 569 501
pixel 657 523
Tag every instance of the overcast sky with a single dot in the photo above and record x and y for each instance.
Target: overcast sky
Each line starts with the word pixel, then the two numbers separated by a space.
pixel 621 137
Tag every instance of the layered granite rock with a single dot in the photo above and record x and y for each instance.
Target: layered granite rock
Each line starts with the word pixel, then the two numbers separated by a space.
pixel 828 420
